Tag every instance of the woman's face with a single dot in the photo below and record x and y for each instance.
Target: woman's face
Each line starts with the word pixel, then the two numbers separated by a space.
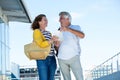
pixel 43 23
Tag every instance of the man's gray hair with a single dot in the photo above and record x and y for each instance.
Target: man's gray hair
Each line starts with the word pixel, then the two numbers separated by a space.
pixel 66 15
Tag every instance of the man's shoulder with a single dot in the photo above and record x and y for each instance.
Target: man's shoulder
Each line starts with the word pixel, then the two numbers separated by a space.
pixel 76 27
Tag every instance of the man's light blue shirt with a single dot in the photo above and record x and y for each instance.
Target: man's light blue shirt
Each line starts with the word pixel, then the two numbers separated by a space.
pixel 70 46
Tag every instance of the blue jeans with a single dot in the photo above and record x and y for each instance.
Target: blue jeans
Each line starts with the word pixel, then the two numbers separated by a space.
pixel 46 68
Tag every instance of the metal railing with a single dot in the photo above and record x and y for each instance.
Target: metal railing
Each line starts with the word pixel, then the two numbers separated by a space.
pixel 32 78
pixel 108 67
pixel 27 78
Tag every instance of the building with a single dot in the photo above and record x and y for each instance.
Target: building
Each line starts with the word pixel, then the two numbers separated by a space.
pixel 31 73
pixel 28 72
pixel 10 10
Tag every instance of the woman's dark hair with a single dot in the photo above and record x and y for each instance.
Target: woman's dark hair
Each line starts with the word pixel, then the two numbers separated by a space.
pixel 35 24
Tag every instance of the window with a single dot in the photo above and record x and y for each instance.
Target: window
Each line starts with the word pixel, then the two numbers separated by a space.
pixel 4 49
pixel 0 54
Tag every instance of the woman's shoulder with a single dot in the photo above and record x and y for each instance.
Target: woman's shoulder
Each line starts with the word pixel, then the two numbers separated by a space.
pixel 36 31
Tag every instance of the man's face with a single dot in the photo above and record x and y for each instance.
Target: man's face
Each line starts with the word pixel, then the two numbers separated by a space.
pixel 64 21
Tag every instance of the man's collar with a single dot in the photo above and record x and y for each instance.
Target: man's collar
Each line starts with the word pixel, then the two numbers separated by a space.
pixel 69 25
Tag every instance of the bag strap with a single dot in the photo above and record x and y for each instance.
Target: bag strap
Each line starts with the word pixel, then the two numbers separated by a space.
pixel 43 37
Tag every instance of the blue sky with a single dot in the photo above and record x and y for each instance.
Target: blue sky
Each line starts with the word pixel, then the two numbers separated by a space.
pixel 99 20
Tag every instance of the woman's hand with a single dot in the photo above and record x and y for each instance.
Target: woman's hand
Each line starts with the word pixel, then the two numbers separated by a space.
pixel 50 41
pixel 57 43
pixel 55 38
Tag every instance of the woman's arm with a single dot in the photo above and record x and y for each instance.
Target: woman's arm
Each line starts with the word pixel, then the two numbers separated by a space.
pixel 38 38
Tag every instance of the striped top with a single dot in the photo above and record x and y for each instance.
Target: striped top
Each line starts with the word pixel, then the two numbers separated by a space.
pixel 48 36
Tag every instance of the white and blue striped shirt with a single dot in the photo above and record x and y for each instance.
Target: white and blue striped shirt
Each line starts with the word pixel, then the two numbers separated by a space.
pixel 48 36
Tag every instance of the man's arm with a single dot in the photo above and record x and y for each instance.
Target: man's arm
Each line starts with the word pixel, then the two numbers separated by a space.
pixel 76 32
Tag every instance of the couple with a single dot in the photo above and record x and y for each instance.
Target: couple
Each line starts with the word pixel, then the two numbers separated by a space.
pixel 68 48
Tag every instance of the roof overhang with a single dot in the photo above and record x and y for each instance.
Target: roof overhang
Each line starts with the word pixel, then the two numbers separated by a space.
pixel 14 10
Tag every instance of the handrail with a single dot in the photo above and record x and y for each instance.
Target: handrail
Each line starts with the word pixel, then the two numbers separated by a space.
pixel 107 67
pixel 109 59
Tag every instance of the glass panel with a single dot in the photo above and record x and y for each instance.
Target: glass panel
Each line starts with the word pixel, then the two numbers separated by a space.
pixel 3 59
pixel 3 32
pixel 7 50
pixel 3 49
pixel 0 48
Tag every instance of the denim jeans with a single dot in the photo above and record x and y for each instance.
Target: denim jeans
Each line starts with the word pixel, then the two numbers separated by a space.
pixel 73 64
pixel 46 68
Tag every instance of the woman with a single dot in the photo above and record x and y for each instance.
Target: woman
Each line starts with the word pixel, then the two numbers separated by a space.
pixel 47 67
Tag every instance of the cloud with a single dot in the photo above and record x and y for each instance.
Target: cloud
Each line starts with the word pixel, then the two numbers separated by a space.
pixel 56 19
pixel 97 7
pixel 76 15
pixel 100 6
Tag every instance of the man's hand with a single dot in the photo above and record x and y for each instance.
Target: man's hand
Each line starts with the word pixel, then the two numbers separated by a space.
pixel 64 29
pixel 57 43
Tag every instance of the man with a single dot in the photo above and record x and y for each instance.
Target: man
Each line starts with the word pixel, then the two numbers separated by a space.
pixel 69 48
